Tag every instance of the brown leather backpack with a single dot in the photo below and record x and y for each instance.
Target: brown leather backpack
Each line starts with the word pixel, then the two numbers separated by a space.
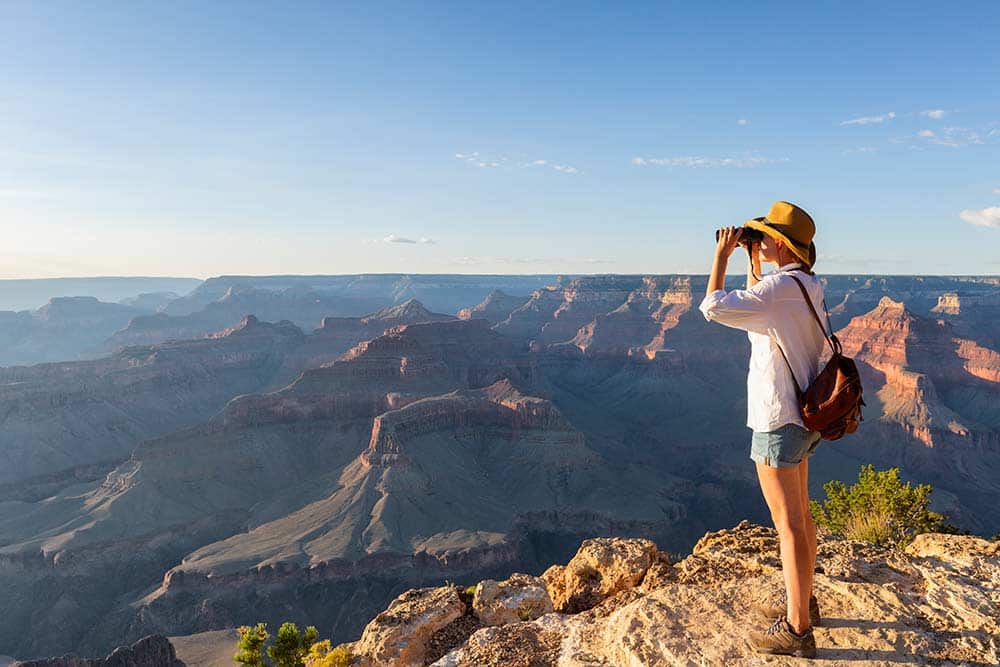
pixel 832 403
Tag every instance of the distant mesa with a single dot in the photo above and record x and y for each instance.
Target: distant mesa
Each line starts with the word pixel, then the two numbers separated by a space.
pixel 66 328
pixel 410 311
pixel 151 301
pixel 496 307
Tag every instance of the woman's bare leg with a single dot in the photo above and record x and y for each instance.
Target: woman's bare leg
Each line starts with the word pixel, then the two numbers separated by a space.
pixel 810 525
pixel 782 489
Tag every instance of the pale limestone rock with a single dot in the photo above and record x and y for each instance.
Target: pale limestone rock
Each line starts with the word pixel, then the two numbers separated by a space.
pixel 601 567
pixel 398 636
pixel 938 602
pixel 520 597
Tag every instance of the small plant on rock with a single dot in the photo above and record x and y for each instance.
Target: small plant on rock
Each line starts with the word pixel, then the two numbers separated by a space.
pixel 879 509
pixel 322 655
pixel 251 645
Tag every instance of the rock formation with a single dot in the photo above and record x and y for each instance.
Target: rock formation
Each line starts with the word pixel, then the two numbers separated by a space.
pixel 496 307
pixel 935 602
pixel 975 314
pixel 300 305
pixel 66 328
pixel 73 421
pixel 151 651
pixel 440 488
pixel 150 301
pixel 365 292
pixel 938 393
pixel 336 335
pixel 258 473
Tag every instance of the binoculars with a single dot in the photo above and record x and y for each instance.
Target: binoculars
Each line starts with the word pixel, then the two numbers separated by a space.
pixel 749 235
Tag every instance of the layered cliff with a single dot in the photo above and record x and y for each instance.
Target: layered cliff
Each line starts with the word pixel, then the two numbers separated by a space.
pixel 336 335
pixel 443 293
pixel 400 451
pixel 300 305
pixel 450 484
pixel 496 307
pixel 66 328
pixel 934 402
pixel 62 419
pixel 260 459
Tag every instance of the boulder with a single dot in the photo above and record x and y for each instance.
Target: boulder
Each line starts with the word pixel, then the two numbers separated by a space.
pixel 601 567
pixel 520 597
pixel 398 636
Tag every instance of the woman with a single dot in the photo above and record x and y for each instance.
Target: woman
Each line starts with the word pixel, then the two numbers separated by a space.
pixel 773 310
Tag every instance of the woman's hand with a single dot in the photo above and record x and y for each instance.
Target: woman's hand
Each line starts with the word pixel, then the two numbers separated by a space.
pixel 729 238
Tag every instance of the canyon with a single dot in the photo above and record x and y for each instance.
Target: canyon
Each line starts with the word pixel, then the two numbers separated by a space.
pixel 259 472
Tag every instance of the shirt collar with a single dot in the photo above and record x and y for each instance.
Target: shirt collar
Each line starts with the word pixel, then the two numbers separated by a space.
pixel 786 267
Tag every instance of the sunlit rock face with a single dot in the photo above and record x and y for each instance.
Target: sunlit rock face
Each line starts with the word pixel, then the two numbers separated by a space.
pixel 936 388
pixel 625 602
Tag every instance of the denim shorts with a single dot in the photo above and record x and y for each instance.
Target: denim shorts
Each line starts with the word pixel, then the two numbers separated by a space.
pixel 784 447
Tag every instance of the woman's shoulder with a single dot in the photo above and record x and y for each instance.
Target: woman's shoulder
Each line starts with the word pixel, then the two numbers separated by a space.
pixel 785 281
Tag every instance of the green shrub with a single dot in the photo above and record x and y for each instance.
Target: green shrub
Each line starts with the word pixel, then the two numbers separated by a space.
pixel 251 645
pixel 874 527
pixel 878 509
pixel 289 648
pixel 321 655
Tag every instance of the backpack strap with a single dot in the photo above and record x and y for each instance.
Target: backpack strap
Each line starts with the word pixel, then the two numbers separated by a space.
pixel 831 338
pixel 798 389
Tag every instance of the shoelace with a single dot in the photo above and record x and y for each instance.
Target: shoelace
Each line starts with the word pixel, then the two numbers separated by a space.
pixel 776 627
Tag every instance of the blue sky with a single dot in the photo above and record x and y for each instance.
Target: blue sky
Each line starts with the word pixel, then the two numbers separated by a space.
pixel 199 139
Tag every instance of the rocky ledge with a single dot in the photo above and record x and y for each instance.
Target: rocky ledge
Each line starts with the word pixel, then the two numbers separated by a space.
pixel 624 602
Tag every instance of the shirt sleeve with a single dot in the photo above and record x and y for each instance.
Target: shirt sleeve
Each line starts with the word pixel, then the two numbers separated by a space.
pixel 748 309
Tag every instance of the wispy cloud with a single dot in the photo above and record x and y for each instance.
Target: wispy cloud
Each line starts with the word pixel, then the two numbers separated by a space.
pixel 478 160
pixel 996 191
pixel 954 137
pixel 868 120
pixel 394 238
pixel 743 121
pixel 986 217
pixel 936 114
pixel 747 162
pixel 860 149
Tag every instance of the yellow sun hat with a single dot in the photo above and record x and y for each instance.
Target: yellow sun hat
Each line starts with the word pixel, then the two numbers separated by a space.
pixel 789 223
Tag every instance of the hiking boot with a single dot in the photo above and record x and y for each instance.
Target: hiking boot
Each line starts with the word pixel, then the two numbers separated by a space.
pixel 779 609
pixel 780 639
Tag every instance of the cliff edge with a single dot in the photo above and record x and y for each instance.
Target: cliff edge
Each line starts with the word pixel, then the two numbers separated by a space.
pixel 624 602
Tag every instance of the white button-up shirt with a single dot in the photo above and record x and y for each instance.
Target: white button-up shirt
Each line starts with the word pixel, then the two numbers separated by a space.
pixel 774 309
